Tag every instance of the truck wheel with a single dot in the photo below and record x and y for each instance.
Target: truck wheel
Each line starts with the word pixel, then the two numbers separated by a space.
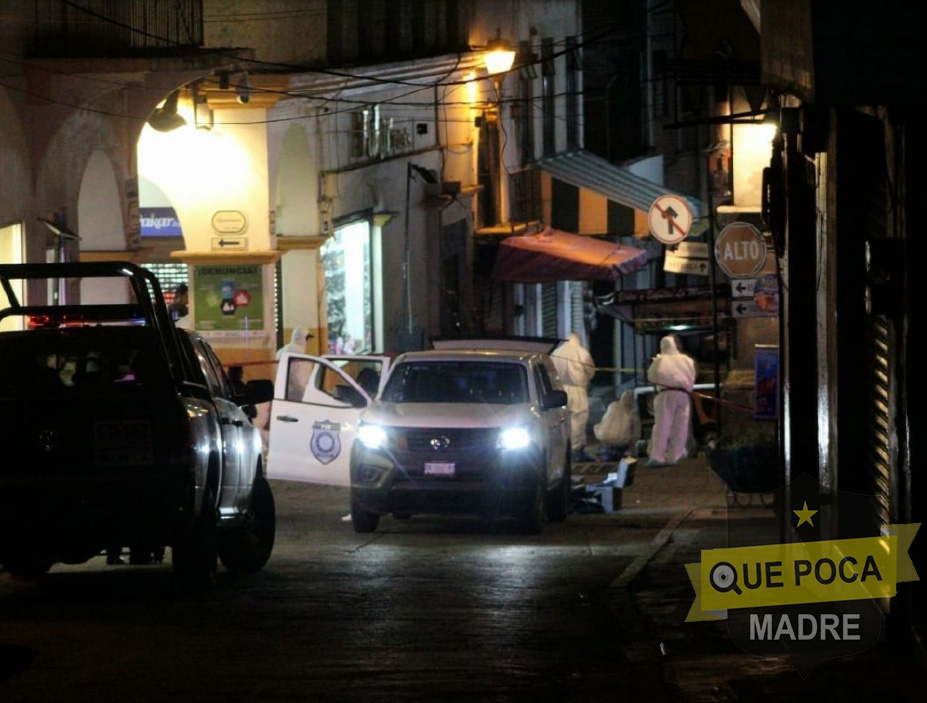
pixel 194 555
pixel 246 549
pixel 363 520
pixel 536 510
pixel 29 567
pixel 559 501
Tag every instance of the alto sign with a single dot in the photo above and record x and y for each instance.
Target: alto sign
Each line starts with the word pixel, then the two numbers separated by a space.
pixel 740 250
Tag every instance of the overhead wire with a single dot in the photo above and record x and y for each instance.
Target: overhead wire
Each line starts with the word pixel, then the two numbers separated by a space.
pixel 353 104
pixel 593 36
pixel 395 101
pixel 261 15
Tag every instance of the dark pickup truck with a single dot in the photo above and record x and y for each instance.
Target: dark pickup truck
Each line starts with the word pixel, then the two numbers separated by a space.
pixel 120 433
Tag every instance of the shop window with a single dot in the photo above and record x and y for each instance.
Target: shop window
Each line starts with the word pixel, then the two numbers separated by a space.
pixel 348 288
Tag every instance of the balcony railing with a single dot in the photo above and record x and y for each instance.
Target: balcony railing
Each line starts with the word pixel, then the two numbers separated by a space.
pixel 115 28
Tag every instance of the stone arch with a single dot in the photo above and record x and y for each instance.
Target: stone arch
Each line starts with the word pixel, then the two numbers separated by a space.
pixel 15 194
pixel 99 212
pixel 100 225
pixel 63 175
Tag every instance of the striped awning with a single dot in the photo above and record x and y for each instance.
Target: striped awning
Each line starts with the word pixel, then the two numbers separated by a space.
pixel 585 170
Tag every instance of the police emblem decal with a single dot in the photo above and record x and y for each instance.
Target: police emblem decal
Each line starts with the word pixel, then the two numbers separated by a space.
pixel 325 443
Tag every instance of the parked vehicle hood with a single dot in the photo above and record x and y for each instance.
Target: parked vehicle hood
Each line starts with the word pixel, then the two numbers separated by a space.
pixel 461 415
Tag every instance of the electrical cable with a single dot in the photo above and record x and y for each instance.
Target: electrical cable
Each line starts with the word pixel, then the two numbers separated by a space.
pixel 591 37
pixel 594 36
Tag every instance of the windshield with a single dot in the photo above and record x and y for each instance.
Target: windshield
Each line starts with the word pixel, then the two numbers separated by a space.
pixel 457 382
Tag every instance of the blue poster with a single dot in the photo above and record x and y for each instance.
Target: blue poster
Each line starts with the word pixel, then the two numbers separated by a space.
pixel 766 391
pixel 159 222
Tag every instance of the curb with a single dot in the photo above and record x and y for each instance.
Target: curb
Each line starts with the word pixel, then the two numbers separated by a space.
pixel 631 572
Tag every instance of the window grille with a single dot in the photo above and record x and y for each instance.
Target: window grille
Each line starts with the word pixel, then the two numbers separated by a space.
pixel 169 276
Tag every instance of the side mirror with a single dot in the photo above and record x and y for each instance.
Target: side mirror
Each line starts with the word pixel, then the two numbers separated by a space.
pixel 554 399
pixel 259 391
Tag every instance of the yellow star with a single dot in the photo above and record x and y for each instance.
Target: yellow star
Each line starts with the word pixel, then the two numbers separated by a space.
pixel 804 515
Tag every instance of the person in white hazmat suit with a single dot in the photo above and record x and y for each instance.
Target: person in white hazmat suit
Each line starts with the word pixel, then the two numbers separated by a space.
pixel 576 368
pixel 673 374
pixel 298 340
pixel 619 430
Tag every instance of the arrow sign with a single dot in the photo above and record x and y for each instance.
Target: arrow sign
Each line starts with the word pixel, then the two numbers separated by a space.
pixel 670 216
pixel 748 308
pixel 229 243
pixel 743 288
pixel 673 263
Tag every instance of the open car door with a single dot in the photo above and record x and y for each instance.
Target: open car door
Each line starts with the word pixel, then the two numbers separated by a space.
pixel 314 414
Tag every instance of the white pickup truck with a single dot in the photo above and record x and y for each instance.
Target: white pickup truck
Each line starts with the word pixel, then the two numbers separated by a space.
pixel 470 427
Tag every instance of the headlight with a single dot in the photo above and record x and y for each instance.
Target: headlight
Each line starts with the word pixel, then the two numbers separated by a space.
pixel 514 438
pixel 371 436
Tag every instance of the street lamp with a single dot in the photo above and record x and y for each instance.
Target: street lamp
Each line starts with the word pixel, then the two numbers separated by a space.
pixel 165 117
pixel 498 59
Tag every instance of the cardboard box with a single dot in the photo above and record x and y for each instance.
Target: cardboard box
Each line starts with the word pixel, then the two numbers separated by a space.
pixel 626 468
pixel 608 494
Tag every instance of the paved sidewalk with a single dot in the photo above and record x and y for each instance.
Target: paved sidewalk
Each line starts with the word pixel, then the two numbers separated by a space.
pixel 681 662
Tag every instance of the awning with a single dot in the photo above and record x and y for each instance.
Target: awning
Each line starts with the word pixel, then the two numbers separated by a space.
pixel 585 170
pixel 553 255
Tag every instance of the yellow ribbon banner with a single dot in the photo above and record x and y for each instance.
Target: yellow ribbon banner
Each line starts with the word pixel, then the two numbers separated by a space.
pixel 801 572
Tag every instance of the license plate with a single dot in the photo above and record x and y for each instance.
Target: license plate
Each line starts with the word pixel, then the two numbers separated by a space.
pixel 439 468
pixel 123 443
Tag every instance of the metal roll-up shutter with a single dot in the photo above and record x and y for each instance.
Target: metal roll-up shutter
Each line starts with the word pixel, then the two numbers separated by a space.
pixel 878 411
pixel 549 309
pixel 867 396
pixel 577 313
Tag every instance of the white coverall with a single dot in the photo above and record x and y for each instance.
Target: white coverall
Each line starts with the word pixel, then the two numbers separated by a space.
pixel 620 425
pixel 674 375
pixel 297 342
pixel 297 345
pixel 576 368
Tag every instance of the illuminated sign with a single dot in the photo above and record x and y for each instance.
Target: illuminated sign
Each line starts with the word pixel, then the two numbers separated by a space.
pixel 159 222
pixel 229 222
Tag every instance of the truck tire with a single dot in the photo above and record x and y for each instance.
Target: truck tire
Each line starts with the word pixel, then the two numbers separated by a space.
pixel 363 520
pixel 558 504
pixel 28 567
pixel 535 509
pixel 194 555
pixel 246 548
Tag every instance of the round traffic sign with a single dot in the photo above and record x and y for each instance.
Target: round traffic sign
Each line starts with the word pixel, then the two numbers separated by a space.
pixel 670 219
pixel 740 250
